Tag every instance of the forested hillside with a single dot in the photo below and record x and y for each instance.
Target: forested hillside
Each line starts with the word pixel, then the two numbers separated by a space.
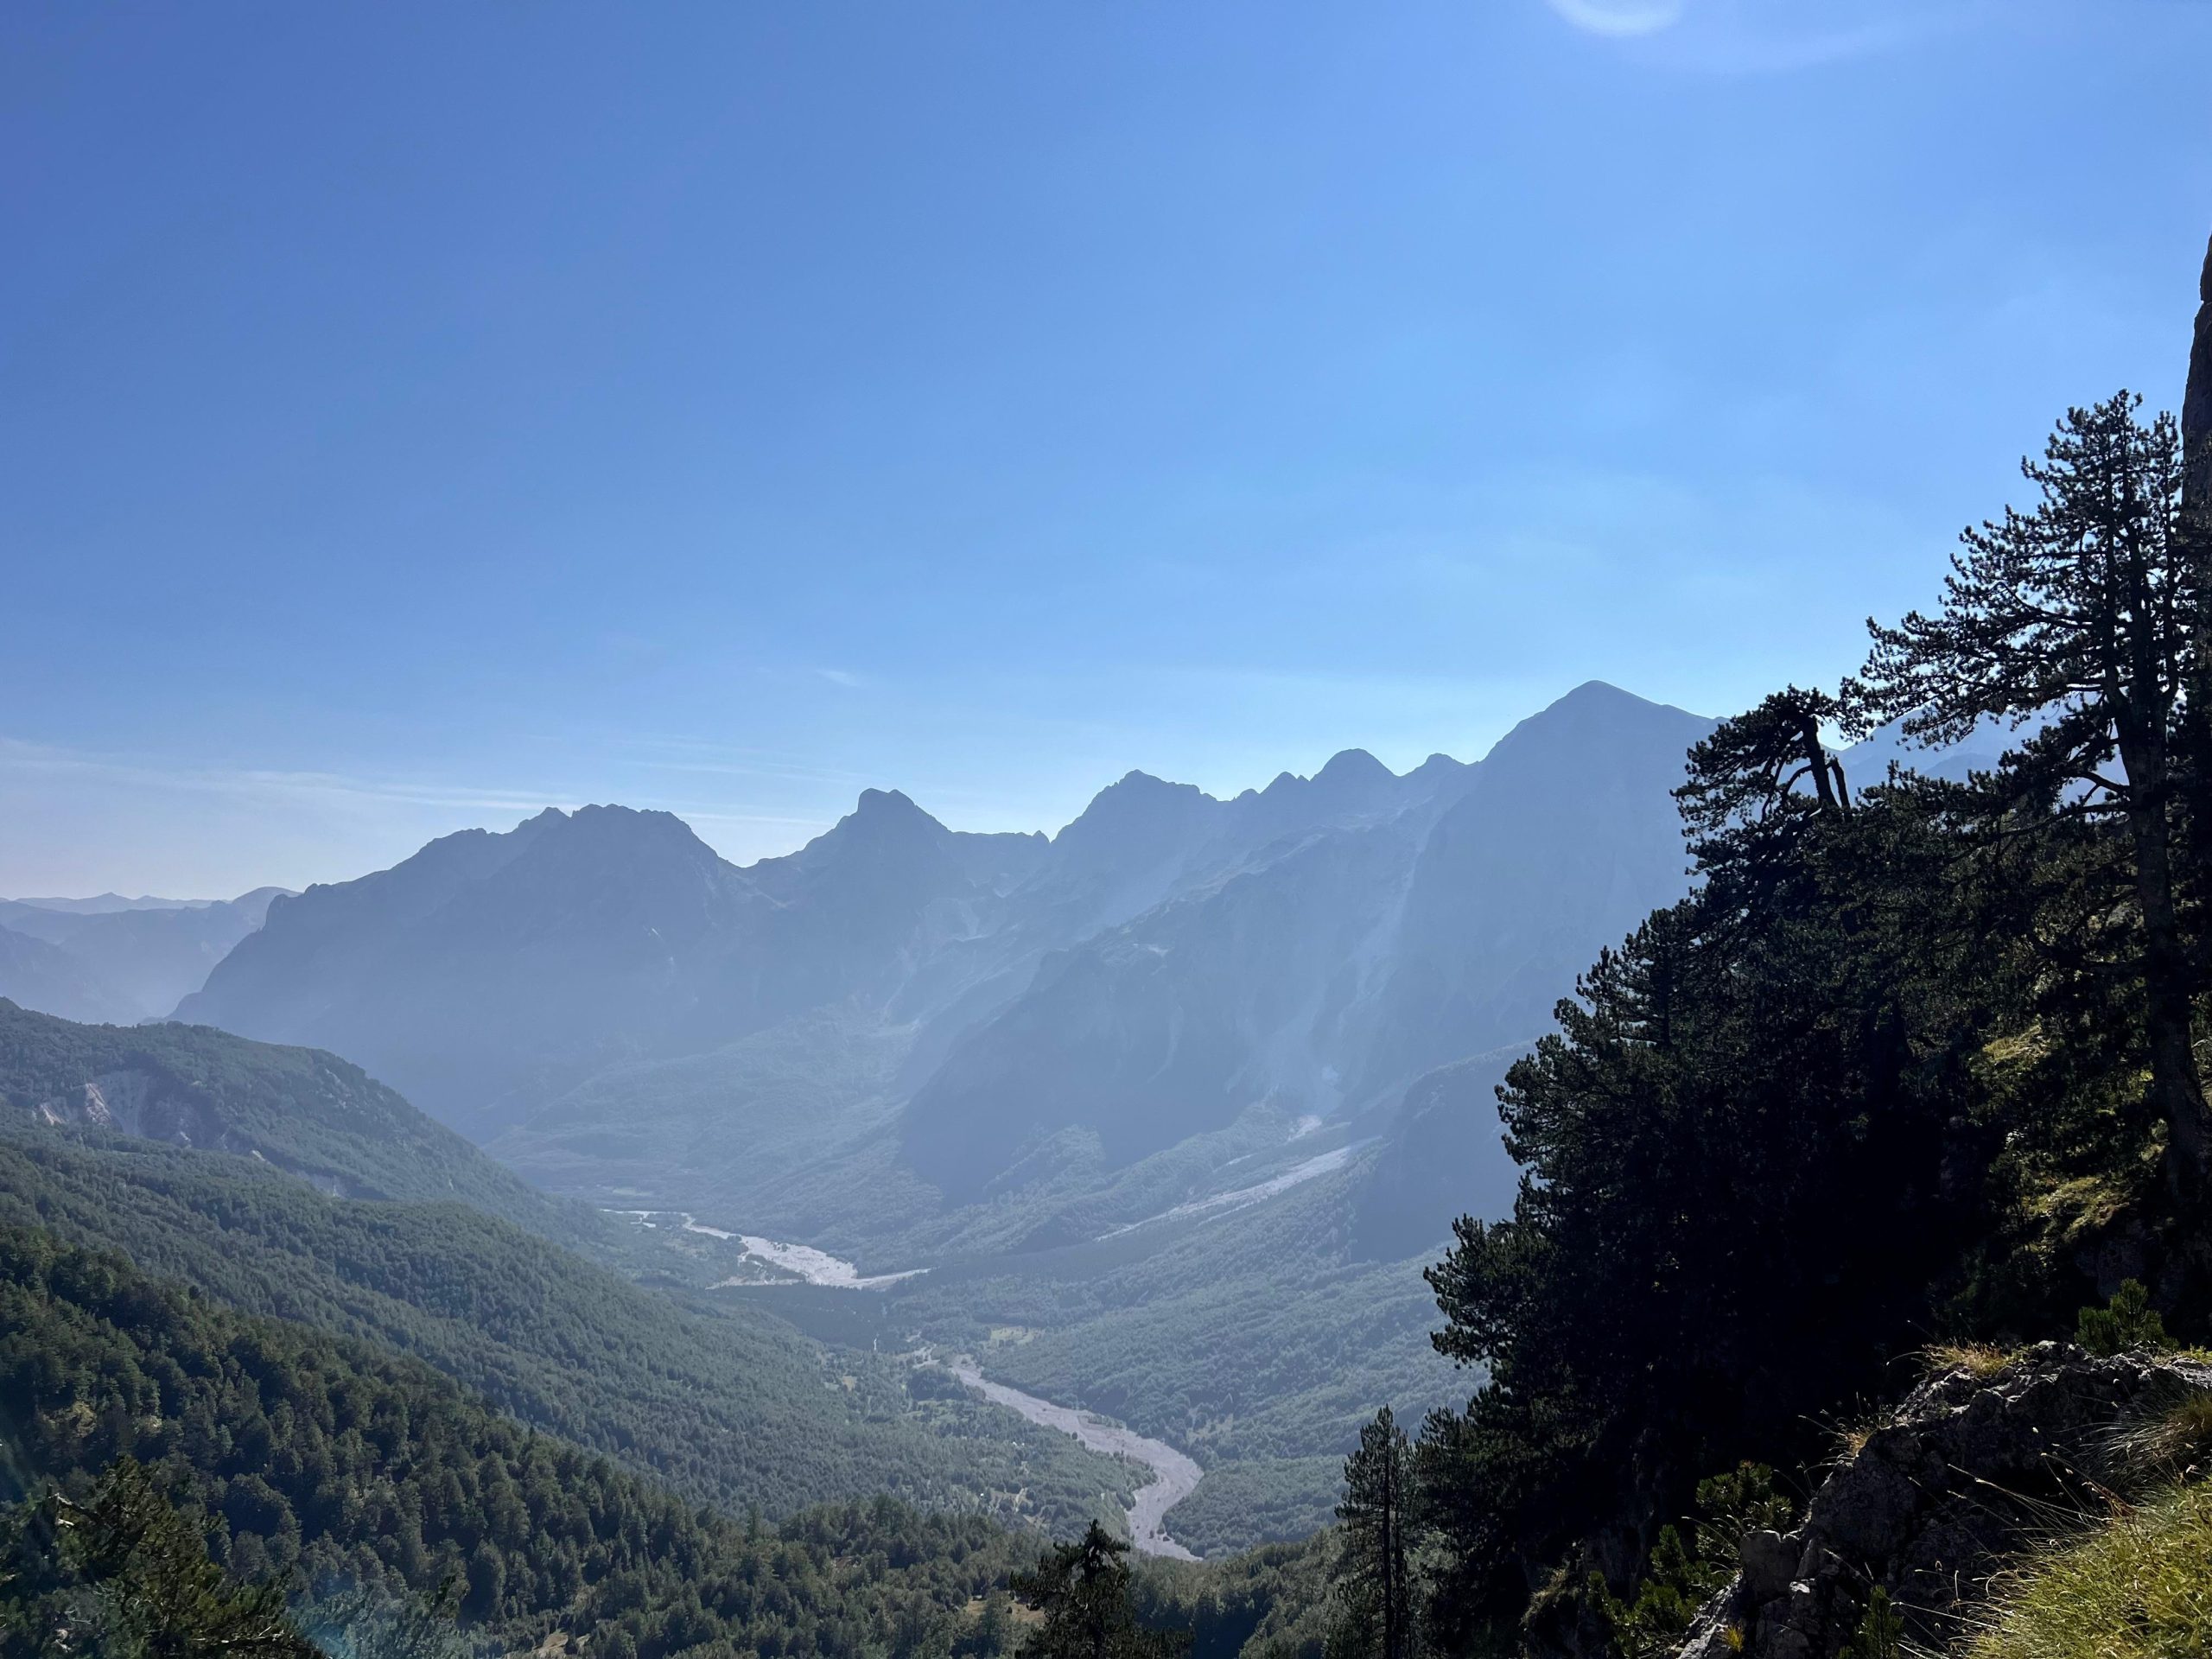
pixel 408 1513
pixel 299 1110
pixel 726 1405
pixel 312 1455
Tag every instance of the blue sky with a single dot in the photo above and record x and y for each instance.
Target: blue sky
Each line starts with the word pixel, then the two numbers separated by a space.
pixel 411 417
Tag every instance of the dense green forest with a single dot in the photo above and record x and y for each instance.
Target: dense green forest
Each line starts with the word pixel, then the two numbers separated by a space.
pixel 317 1458
pixel 1916 1061
pixel 729 1405
pixel 1258 1336
pixel 373 1487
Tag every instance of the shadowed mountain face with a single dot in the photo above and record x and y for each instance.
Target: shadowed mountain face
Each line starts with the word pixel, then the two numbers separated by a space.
pixel 1235 993
pixel 487 958
pixel 1166 962
pixel 488 965
pixel 1565 841
pixel 1398 930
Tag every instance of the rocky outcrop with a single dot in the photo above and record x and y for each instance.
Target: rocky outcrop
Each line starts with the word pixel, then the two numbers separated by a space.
pixel 152 1107
pixel 1969 1470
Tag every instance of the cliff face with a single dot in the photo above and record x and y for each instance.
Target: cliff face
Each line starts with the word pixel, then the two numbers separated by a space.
pixel 1970 1472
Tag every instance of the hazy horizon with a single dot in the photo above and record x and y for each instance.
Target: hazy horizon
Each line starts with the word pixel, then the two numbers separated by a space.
pixel 416 419
pixel 501 819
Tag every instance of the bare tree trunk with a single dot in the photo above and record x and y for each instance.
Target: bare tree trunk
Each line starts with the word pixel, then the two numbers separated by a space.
pixel 2171 978
pixel 2196 418
pixel 2197 540
pixel 1393 1610
pixel 2168 1003
pixel 1817 762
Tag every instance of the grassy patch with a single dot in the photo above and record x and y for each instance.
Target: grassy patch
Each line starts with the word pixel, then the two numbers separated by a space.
pixel 2140 1588
pixel 1979 1360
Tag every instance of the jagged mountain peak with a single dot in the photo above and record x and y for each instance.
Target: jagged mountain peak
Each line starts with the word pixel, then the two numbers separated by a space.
pixel 879 818
pixel 1594 715
pixel 610 844
pixel 489 961
pixel 1601 699
pixel 1354 766
pixel 1136 800
pixel 885 853
pixel 1347 774
pixel 879 805
pixel 1141 785
pixel 610 816
pixel 1437 767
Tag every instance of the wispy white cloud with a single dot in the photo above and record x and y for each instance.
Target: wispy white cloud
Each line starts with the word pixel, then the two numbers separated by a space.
pixel 608 751
pixel 305 817
pixel 789 771
pixel 20 756
pixel 1619 17
pixel 272 786
pixel 1754 37
pixel 844 677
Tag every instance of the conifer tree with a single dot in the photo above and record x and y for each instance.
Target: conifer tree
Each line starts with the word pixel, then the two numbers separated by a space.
pixel 1083 1591
pixel 1756 785
pixel 1375 1577
pixel 2077 619
pixel 124 1576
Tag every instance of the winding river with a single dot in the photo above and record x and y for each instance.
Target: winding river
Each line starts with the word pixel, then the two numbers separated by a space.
pixel 1173 1474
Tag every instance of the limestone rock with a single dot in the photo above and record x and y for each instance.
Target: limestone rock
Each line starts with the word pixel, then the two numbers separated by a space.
pixel 1938 1499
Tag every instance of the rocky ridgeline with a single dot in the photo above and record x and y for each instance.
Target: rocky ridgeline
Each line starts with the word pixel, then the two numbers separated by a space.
pixel 1971 1471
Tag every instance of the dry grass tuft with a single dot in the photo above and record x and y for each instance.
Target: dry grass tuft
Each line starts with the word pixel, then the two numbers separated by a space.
pixel 1979 1360
pixel 2169 1441
pixel 1851 1438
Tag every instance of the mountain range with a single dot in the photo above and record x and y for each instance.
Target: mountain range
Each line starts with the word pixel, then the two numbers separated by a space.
pixel 112 959
pixel 1161 1115
pixel 1164 963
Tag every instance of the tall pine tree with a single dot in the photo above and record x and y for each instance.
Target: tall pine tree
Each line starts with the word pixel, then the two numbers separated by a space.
pixel 1375 1575
pixel 2078 619
pixel 1082 1592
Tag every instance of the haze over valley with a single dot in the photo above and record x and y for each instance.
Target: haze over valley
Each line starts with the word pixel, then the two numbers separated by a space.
pixel 1044 831
pixel 1160 1117
pixel 1071 1096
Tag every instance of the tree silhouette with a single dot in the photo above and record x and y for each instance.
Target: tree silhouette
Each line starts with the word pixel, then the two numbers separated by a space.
pixel 2077 619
